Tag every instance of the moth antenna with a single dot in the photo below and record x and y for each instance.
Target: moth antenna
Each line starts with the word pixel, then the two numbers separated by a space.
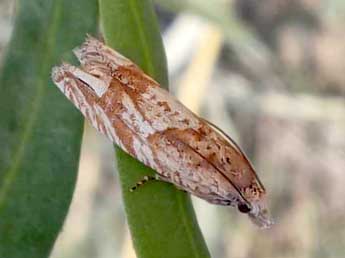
pixel 239 150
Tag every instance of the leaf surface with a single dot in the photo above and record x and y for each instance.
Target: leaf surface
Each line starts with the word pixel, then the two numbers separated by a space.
pixel 40 131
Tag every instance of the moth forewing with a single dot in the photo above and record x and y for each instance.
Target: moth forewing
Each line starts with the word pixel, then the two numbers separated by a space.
pixel 147 122
pixel 238 148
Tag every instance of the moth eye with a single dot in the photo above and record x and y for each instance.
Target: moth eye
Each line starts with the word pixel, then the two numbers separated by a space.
pixel 244 208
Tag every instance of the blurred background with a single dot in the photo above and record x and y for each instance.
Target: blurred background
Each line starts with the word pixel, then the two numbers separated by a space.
pixel 271 73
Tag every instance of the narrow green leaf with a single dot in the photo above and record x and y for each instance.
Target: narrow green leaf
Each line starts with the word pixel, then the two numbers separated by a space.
pixel 161 218
pixel 40 131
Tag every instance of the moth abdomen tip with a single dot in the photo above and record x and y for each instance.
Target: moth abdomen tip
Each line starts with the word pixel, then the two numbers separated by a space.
pixel 56 74
pixel 77 52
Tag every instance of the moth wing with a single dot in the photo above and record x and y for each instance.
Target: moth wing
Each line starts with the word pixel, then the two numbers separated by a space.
pixel 85 91
pixel 235 146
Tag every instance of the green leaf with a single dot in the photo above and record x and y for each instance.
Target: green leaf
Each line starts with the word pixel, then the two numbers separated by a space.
pixel 160 217
pixel 40 131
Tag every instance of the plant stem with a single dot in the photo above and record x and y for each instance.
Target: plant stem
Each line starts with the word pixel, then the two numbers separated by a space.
pixel 160 217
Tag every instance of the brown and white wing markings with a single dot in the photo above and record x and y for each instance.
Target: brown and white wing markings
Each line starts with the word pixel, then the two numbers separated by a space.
pixel 147 122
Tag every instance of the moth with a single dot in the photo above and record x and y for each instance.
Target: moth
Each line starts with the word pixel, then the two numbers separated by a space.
pixel 151 125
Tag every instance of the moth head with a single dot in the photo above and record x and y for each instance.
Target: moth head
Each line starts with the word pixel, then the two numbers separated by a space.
pixel 259 214
pixel 254 203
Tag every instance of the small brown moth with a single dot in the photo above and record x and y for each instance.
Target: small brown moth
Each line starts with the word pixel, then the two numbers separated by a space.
pixel 130 108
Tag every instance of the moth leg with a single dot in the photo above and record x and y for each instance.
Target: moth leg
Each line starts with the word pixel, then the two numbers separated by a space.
pixel 144 181
pixel 217 200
